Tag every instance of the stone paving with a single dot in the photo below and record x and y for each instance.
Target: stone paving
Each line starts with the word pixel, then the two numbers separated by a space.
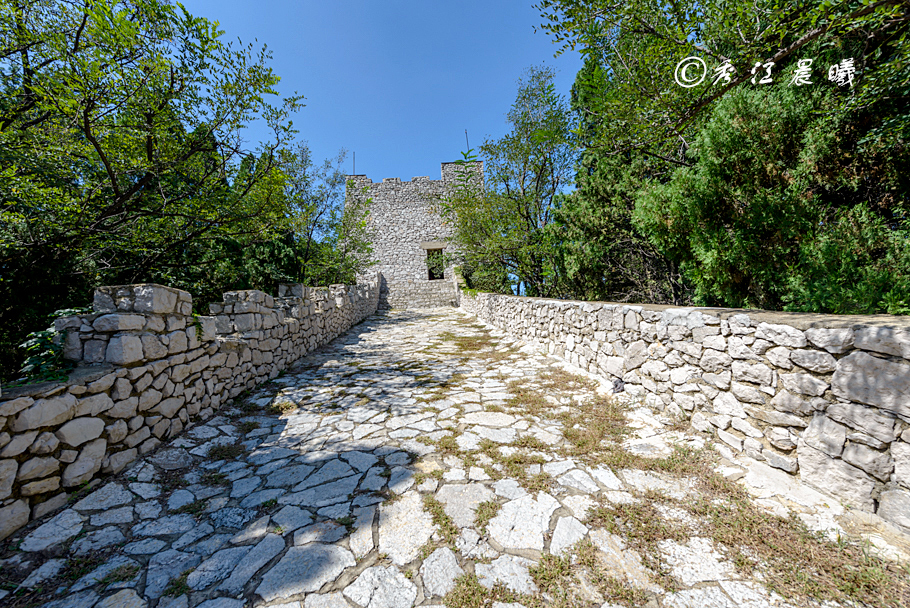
pixel 325 505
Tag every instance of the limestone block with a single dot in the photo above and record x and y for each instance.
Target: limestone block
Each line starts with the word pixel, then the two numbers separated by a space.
pixel 125 408
pixel 887 340
pixel 19 444
pixel 117 432
pixel 744 427
pixel 894 506
pixel 8 470
pixel 119 322
pixel 900 452
pixel 825 435
pixel 169 407
pixel 68 456
pixel 117 462
pixel 867 379
pixel 86 465
pixel 37 468
pixel 738 349
pixel 124 349
pixel 154 323
pixel 700 423
pixel 804 384
pixel 877 464
pixel 177 342
pixel 759 373
pixel 656 369
pixel 814 360
pixel 779 461
pixel 13 407
pixel 103 383
pixel 700 333
pixel 832 340
pixel 730 439
pixel 875 422
pixel 776 418
pixel 720 380
pixel 780 438
pixel 786 401
pixel 143 383
pixel 79 430
pixel 779 356
pixel 715 342
pixel 726 404
pixel 635 355
pixel 683 374
pixel 13 517
pixel 45 443
pixel 135 423
pixel 715 361
pixel 137 437
pixel 42 486
pixel 782 335
pixel 93 405
pixel 122 389
pixel 748 393
pixel 835 476
pixel 93 351
pixel 155 298
pixel 153 347
pixel 46 412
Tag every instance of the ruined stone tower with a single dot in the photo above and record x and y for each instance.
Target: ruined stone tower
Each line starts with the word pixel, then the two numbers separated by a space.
pixel 407 233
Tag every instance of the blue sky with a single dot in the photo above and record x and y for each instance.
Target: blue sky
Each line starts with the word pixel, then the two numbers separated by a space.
pixel 396 81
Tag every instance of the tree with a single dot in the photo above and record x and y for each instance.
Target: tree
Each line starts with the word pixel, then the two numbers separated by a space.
pixel 121 149
pixel 503 230
pixel 749 190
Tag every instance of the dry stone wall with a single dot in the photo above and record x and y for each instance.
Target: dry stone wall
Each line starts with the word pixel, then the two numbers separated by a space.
pixel 146 368
pixel 824 397
pixel 402 216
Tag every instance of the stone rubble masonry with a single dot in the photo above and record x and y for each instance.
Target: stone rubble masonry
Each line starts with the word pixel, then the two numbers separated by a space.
pixel 824 397
pixel 403 216
pixel 146 368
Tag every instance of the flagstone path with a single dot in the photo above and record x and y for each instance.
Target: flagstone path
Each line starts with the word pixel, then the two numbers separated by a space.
pixel 326 506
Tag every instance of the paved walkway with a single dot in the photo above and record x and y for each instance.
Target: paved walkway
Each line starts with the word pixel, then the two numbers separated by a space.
pixel 394 468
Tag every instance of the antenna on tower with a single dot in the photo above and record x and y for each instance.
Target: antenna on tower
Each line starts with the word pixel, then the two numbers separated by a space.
pixel 466 139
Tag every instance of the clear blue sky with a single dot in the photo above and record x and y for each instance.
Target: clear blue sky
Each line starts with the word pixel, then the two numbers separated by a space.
pixel 396 81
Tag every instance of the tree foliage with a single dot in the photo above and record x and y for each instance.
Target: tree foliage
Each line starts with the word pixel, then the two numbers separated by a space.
pixel 503 229
pixel 757 195
pixel 123 160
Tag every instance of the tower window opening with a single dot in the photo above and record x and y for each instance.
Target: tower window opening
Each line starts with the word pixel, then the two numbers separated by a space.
pixel 435 264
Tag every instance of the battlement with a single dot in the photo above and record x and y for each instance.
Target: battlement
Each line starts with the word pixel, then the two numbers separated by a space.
pixel 448 173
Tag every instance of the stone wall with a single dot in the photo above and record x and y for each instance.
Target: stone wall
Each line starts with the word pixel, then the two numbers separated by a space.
pixel 825 397
pixel 402 216
pixel 417 294
pixel 146 368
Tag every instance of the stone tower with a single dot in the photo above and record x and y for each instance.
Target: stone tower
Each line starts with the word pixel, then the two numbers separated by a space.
pixel 407 232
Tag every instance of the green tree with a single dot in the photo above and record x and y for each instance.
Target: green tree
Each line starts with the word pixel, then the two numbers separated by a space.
pixel 750 190
pixel 120 150
pixel 503 230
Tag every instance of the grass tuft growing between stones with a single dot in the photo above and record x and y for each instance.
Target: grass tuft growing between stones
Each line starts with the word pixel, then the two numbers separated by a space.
pixel 469 593
pixel 486 511
pixel 197 507
pixel 178 586
pixel 447 528
pixel 226 452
